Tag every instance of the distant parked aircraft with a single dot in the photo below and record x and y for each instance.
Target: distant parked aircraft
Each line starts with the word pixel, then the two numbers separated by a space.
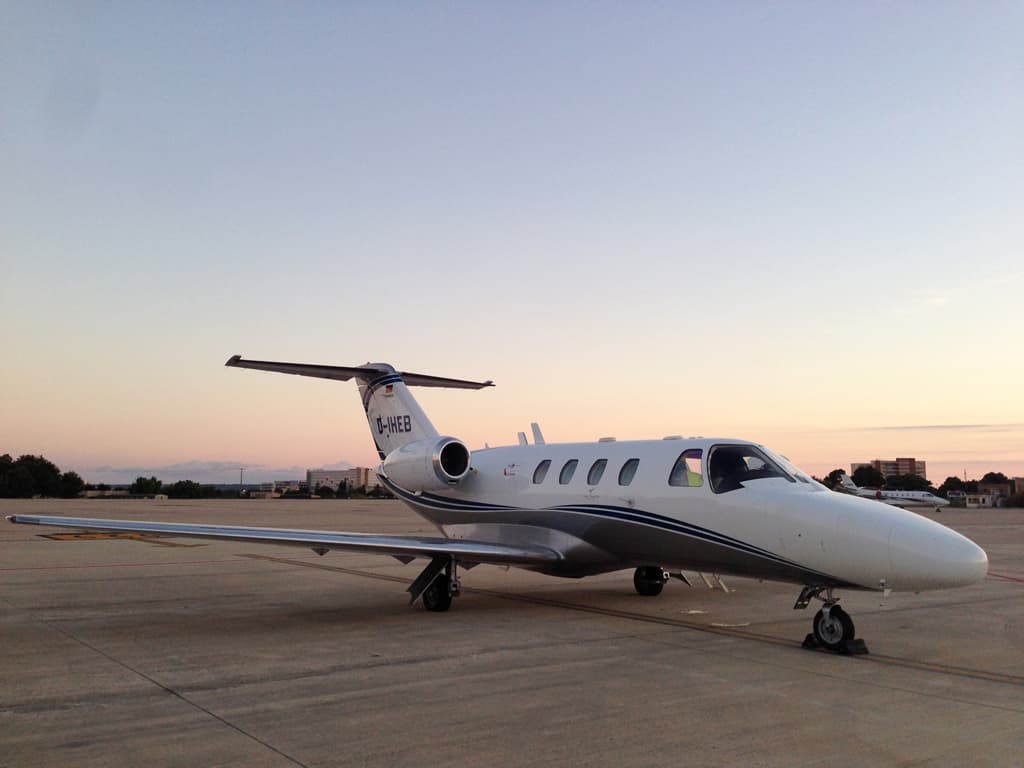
pixel 904 499
pixel 711 505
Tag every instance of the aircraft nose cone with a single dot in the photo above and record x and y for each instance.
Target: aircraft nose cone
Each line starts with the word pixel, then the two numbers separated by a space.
pixel 926 555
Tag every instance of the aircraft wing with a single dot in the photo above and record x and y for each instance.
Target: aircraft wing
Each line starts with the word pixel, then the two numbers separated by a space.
pixel 402 547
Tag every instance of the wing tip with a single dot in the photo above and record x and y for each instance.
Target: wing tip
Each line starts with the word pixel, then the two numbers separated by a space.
pixel 234 360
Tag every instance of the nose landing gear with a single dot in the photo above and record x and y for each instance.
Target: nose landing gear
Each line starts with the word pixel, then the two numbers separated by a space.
pixel 832 628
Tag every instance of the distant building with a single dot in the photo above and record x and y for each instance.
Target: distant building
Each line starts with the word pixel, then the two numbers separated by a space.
pixel 265 491
pixel 363 477
pixel 890 467
pixel 1018 485
pixel 980 500
pixel 357 477
pixel 329 478
pixel 998 490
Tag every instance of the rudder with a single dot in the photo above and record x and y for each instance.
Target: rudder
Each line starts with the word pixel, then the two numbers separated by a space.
pixel 394 416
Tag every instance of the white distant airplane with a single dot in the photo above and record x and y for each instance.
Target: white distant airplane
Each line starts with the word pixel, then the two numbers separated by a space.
pixel 719 506
pixel 904 499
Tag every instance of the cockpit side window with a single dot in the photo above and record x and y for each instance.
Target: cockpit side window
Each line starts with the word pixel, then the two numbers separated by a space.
pixel 686 471
pixel 729 466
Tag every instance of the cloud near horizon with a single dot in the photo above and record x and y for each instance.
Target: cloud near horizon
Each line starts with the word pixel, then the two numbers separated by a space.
pixel 1010 426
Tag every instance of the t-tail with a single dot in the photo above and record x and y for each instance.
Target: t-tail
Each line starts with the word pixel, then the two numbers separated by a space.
pixel 847 483
pixel 414 454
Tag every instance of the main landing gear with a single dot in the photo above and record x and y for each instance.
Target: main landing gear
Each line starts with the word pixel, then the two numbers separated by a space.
pixel 437 584
pixel 649 580
pixel 832 628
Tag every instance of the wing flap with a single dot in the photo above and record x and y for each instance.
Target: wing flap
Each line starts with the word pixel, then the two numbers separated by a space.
pixel 396 546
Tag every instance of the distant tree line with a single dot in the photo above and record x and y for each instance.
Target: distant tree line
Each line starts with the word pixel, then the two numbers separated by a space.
pixel 182 489
pixel 29 476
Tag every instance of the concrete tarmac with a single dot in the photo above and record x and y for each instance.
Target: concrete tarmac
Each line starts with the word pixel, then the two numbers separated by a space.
pixel 173 652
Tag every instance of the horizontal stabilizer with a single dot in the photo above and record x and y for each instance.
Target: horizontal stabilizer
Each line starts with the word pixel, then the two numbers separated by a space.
pixel 365 372
pixel 397 546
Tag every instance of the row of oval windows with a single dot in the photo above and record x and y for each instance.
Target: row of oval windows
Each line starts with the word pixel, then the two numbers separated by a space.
pixel 682 472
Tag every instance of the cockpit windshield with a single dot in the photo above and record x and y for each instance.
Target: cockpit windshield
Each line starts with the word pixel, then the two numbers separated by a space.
pixel 792 469
pixel 729 466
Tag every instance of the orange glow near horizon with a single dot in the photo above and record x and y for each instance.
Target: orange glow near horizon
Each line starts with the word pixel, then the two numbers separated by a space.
pixel 287 422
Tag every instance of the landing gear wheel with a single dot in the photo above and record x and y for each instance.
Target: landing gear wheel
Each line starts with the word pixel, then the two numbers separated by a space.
pixel 834 632
pixel 438 596
pixel 648 581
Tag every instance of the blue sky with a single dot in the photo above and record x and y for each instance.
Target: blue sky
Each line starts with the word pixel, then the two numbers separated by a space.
pixel 765 221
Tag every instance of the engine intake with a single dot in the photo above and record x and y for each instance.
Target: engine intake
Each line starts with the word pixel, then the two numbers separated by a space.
pixel 433 464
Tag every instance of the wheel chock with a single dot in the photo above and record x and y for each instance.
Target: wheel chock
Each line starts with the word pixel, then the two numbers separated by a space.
pixel 854 647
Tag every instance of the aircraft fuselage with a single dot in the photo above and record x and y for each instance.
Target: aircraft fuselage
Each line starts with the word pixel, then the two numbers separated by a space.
pixel 785 528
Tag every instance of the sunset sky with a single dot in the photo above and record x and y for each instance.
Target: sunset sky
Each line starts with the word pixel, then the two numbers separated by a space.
pixel 797 223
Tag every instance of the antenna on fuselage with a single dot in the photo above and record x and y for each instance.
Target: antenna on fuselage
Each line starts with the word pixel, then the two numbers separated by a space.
pixel 538 438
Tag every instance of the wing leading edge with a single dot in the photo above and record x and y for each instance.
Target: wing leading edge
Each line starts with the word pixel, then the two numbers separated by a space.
pixel 396 546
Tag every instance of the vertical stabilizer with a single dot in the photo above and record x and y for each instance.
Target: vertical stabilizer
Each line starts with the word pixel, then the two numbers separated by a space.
pixel 394 416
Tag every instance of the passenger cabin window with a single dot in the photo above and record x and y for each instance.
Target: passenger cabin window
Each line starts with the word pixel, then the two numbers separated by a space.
pixel 628 471
pixel 596 470
pixel 541 471
pixel 567 472
pixel 686 471
pixel 729 466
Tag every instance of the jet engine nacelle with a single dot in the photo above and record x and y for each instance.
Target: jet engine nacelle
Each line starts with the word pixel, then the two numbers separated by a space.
pixel 432 464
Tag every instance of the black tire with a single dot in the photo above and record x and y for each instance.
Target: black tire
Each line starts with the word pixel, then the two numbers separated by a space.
pixel 647 581
pixel 836 633
pixel 437 597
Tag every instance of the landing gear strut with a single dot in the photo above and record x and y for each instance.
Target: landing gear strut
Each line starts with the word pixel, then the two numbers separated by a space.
pixel 649 580
pixel 437 584
pixel 832 628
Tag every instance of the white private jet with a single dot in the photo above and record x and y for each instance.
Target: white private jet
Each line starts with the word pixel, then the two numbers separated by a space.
pixel 904 499
pixel 710 505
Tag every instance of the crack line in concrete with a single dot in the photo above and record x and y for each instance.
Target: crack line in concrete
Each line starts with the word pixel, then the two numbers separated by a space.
pixel 173 692
pixel 975 674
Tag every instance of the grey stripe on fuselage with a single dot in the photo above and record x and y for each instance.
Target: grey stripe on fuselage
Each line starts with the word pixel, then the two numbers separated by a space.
pixel 616 538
